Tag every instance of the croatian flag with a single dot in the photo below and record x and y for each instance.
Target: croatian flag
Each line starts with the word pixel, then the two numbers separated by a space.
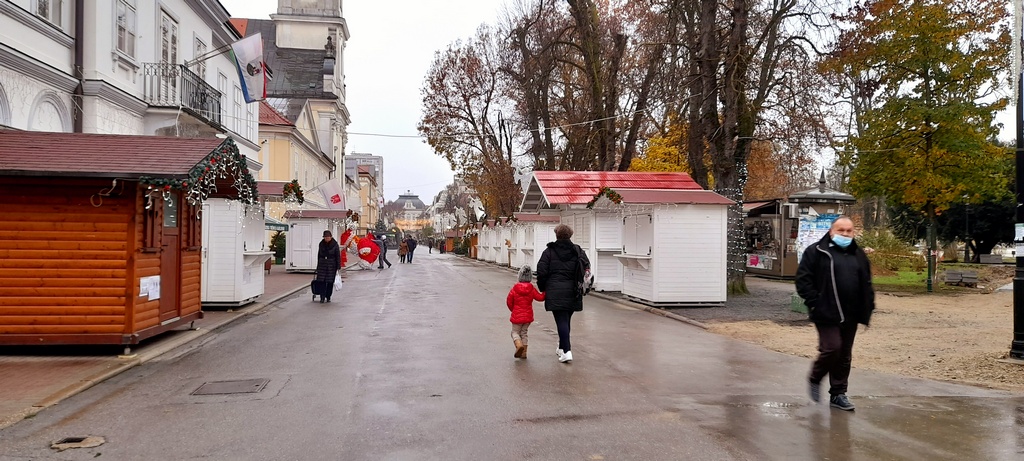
pixel 334 194
pixel 252 70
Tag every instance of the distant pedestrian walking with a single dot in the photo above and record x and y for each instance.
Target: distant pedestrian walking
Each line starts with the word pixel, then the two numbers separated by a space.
pixel 328 261
pixel 834 279
pixel 520 301
pixel 403 250
pixel 382 242
pixel 411 242
pixel 560 273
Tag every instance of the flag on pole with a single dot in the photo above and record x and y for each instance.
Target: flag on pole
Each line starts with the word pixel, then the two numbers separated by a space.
pixel 252 70
pixel 334 194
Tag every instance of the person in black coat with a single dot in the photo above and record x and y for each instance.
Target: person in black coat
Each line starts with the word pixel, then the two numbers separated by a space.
pixel 834 279
pixel 558 274
pixel 328 261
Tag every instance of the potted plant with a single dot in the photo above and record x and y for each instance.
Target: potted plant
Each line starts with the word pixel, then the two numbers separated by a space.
pixel 277 245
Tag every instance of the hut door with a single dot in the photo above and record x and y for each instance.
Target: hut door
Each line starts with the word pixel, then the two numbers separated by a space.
pixel 170 260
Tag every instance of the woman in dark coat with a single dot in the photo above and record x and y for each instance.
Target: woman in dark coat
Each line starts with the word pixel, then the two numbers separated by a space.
pixel 557 276
pixel 328 261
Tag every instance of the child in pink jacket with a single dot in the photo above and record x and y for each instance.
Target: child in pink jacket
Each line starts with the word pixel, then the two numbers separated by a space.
pixel 520 302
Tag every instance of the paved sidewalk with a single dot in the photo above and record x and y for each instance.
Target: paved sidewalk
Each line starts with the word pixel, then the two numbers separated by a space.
pixel 34 378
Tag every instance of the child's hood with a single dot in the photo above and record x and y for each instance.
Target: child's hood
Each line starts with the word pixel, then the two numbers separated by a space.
pixel 523 288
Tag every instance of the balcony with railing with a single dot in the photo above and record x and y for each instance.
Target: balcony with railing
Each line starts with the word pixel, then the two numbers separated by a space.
pixel 174 85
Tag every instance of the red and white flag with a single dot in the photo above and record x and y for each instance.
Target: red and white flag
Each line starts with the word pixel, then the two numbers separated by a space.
pixel 334 194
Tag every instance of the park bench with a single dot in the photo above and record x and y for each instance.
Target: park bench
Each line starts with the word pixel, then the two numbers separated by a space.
pixel 961 278
pixel 990 259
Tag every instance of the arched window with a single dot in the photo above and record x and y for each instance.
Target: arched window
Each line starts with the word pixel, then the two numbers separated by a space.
pixel 5 107
pixel 49 114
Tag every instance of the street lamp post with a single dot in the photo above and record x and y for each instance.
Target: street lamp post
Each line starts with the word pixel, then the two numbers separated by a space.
pixel 1017 345
pixel 967 230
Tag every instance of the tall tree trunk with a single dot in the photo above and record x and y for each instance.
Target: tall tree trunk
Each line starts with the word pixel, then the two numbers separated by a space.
pixel 640 110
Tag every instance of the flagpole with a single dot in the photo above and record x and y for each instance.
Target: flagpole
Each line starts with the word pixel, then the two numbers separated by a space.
pixel 208 55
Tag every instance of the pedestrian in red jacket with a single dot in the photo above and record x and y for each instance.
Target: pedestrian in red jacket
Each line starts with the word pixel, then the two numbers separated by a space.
pixel 520 302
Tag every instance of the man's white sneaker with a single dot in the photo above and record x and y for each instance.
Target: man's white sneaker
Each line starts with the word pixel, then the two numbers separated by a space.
pixel 559 353
pixel 566 357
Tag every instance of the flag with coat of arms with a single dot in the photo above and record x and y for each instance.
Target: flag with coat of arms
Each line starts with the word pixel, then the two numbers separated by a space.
pixel 252 68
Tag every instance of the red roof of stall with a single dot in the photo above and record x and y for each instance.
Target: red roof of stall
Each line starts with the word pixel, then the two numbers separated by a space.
pixel 698 197
pixel 271 188
pixel 552 188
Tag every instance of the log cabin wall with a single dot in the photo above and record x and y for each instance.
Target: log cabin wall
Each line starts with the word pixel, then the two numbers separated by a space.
pixel 191 259
pixel 148 226
pixel 63 260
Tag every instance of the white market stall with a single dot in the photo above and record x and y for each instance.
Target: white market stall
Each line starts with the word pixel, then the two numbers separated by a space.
pixel 486 250
pixel 530 236
pixel 674 247
pixel 503 242
pixel 306 232
pixel 598 231
pixel 234 253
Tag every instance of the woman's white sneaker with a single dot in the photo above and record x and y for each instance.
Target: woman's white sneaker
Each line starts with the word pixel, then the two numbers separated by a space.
pixel 566 357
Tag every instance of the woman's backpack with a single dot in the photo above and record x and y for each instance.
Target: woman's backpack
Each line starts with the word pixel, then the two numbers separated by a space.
pixel 584 279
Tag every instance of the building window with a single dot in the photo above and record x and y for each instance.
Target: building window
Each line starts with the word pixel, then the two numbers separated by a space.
pixel 199 52
pixel 222 87
pixel 168 39
pixel 50 10
pixel 126 27
pixel 238 110
pixel 249 118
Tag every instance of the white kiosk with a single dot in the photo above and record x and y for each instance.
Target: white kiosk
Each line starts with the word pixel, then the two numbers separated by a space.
pixel 234 252
pixel 674 247
pixel 306 229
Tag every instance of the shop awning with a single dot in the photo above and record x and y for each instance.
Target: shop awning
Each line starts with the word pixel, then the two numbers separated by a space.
pixel 275 225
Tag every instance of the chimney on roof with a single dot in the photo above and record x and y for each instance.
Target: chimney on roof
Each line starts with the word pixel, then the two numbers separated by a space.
pixel 821 182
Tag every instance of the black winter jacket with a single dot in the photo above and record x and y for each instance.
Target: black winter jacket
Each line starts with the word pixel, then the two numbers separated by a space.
pixel 816 283
pixel 328 260
pixel 557 275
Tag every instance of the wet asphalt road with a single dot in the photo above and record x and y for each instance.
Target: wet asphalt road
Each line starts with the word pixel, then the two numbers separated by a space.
pixel 415 363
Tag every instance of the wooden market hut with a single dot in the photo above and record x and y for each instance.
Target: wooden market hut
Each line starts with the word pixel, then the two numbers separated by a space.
pixel 100 237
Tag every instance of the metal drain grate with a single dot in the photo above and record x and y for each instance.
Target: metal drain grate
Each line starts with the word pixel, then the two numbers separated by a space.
pixel 241 386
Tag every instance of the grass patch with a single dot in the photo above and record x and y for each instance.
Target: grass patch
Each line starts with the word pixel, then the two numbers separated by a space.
pixel 910 281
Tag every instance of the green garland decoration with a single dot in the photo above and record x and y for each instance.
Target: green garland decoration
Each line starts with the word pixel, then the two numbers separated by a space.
pixel 224 162
pixel 293 190
pixel 606 192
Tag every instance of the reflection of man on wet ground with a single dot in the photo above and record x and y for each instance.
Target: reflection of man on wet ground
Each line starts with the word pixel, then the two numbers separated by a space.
pixel 834 279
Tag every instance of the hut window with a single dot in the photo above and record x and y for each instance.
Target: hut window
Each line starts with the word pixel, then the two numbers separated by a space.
pixel 171 210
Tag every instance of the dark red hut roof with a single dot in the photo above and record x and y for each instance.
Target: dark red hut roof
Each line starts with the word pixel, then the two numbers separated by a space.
pixel 100 155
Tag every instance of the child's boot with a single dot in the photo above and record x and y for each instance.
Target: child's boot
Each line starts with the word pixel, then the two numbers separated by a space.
pixel 525 347
pixel 520 349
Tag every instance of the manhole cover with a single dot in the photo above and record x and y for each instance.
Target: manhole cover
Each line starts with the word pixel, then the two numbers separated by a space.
pixel 242 386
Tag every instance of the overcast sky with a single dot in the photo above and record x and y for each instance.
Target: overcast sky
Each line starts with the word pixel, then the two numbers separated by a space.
pixel 392 45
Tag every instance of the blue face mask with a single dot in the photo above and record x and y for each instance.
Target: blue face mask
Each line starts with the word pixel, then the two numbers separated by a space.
pixel 842 241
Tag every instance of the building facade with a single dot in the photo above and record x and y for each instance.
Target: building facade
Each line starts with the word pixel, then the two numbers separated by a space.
pixel 123 67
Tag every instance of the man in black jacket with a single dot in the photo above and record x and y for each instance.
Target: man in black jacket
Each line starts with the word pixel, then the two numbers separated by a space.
pixel 834 279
